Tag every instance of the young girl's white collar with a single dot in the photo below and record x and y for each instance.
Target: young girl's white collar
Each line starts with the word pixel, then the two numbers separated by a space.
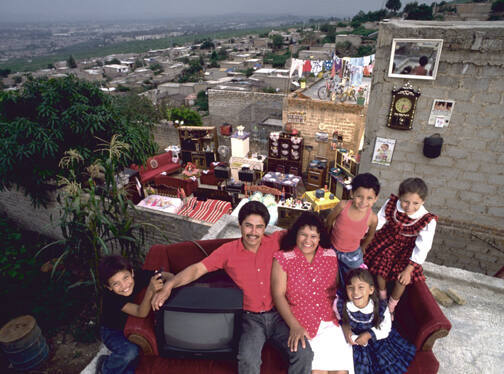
pixel 369 308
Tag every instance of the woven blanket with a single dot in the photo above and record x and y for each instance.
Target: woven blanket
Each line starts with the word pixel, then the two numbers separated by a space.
pixel 209 211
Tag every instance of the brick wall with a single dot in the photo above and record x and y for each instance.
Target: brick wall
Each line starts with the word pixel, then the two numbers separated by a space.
pixel 467 180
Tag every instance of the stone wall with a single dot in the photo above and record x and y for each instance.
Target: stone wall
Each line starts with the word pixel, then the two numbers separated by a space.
pixel 170 227
pixel 467 180
pixel 309 116
pixel 243 108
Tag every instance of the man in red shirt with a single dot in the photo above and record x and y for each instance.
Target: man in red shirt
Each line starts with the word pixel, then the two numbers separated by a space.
pixel 248 262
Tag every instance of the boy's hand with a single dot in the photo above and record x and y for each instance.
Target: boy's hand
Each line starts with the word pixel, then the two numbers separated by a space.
pixel 297 336
pixel 156 282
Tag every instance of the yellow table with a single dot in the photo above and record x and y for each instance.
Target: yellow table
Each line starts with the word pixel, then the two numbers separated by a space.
pixel 322 203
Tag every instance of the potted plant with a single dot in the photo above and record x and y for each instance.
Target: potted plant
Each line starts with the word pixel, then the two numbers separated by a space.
pixel 302 82
pixel 361 99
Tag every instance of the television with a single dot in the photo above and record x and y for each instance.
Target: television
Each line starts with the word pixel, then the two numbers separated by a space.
pixel 201 319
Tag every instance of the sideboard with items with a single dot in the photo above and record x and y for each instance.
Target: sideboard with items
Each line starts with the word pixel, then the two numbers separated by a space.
pixel 340 177
pixel 285 153
pixel 198 145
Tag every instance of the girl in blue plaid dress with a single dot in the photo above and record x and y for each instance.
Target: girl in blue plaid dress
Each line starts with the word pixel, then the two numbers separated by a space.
pixel 377 346
pixel 404 236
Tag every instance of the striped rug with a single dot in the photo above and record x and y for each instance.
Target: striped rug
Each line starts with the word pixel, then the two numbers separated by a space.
pixel 209 211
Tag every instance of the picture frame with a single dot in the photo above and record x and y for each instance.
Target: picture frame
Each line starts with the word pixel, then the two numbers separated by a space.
pixel 441 112
pixel 383 151
pixel 415 58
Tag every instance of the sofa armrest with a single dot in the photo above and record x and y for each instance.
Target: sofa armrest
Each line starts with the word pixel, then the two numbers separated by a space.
pixel 419 317
pixel 141 332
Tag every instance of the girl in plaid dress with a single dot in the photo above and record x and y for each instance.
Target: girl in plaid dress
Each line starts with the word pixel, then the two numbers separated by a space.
pixel 367 325
pixel 403 240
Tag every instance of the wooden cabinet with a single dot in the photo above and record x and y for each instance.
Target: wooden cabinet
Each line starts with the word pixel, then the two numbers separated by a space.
pixel 317 173
pixel 285 153
pixel 198 145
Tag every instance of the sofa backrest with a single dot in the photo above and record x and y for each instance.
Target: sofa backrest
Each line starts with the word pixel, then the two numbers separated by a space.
pixel 178 256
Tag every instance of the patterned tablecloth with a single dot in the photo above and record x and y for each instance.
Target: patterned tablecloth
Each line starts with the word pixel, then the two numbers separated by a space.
pixel 278 180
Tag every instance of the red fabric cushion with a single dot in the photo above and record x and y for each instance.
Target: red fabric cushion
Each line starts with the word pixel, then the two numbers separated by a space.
pixel 424 362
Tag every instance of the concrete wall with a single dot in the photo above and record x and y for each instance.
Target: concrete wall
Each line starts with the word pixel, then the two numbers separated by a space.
pixel 474 11
pixel 171 228
pixel 467 180
pixel 243 108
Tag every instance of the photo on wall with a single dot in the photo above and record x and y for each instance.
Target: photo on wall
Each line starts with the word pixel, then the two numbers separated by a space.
pixel 441 112
pixel 383 151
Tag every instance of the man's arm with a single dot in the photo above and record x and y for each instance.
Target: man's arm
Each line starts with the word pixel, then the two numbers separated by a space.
pixel 188 275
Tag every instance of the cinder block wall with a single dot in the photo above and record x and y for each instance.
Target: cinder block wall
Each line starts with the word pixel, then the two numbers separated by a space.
pixel 243 108
pixel 467 181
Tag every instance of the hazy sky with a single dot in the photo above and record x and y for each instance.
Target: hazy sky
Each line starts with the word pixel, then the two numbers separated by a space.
pixel 71 10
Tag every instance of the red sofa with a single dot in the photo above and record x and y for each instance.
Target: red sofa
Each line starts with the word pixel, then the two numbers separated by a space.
pixel 156 165
pixel 418 316
pixel 189 185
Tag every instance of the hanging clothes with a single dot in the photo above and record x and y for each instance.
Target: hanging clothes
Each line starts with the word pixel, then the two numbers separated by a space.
pixel 356 75
pixel 328 64
pixel 316 67
pixel 307 67
pixel 296 66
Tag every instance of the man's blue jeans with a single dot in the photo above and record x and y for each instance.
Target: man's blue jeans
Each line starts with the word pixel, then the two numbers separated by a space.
pixel 123 358
pixel 256 329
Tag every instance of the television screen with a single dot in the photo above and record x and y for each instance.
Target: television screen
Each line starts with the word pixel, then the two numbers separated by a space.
pixel 201 320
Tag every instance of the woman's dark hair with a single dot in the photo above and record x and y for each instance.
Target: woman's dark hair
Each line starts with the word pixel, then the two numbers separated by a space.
pixel 309 219
pixel 365 276
pixel 413 185
pixel 111 265
pixel 253 207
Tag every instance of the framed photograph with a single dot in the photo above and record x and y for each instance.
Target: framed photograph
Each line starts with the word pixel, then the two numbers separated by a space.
pixel 415 58
pixel 383 151
pixel 441 112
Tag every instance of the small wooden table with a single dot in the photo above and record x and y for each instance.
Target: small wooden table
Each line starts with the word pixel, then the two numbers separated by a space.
pixel 322 203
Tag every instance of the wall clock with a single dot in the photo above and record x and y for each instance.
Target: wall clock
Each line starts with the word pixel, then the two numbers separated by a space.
pixel 402 107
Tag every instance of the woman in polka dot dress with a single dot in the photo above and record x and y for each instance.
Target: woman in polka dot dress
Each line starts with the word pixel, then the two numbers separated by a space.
pixel 303 282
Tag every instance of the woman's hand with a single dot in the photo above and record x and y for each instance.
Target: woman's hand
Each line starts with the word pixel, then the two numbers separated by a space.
pixel 296 335
pixel 363 339
pixel 347 331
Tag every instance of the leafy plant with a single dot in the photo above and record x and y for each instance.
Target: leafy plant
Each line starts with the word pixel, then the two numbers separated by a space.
pixel 96 219
pixel 202 100
pixel 189 116
pixel 49 117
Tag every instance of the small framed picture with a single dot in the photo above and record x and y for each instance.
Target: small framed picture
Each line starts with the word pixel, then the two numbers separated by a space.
pixel 383 151
pixel 415 58
pixel 441 112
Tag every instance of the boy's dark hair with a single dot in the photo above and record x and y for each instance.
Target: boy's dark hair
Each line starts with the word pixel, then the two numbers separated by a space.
pixel 413 185
pixel 309 219
pixel 365 276
pixel 366 180
pixel 423 60
pixel 111 265
pixel 253 207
